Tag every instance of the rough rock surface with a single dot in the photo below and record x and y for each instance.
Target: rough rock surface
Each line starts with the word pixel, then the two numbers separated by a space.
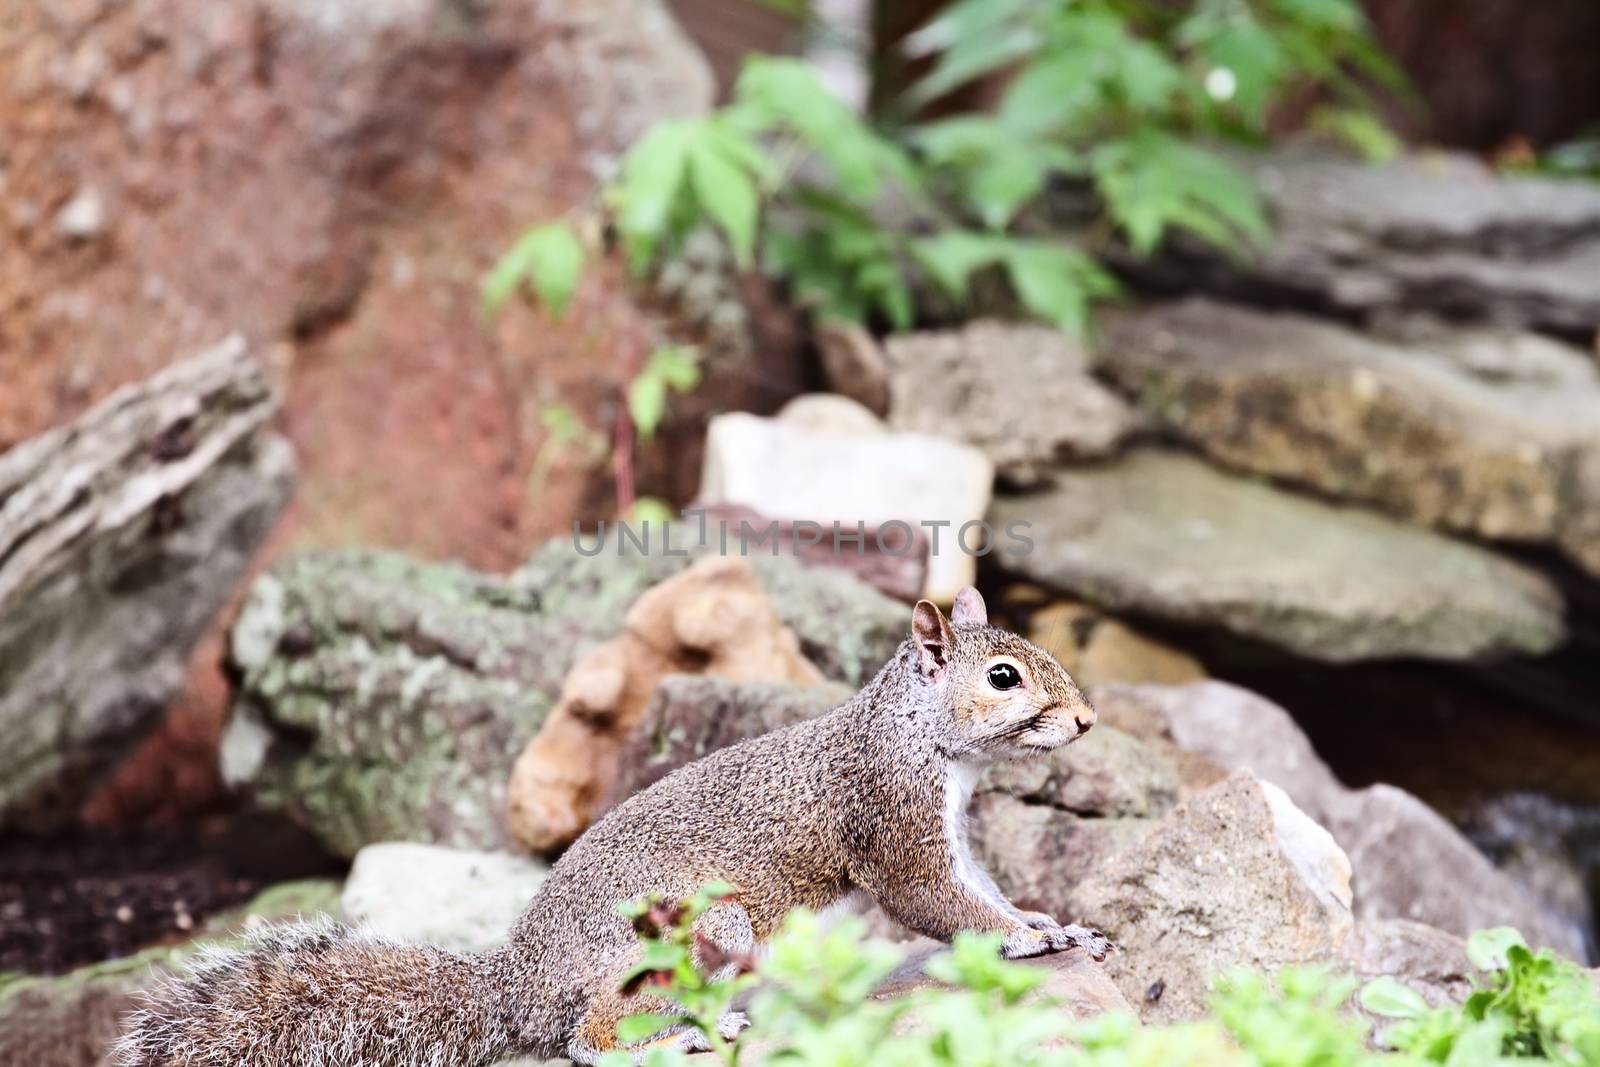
pixel 333 179
pixel 1163 534
pixel 72 1020
pixel 1235 876
pixel 401 146
pixel 1409 863
pixel 457 899
pixel 1466 429
pixel 384 699
pixel 1427 232
pixel 1021 393
pixel 711 619
pixel 121 536
pixel 830 461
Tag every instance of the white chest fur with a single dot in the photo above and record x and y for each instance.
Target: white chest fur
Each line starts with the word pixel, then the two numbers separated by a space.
pixel 960 778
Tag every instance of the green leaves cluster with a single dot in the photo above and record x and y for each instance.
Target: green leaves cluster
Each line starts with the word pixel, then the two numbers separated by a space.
pixel 1121 93
pixel 1533 1006
pixel 814 1007
pixel 1120 96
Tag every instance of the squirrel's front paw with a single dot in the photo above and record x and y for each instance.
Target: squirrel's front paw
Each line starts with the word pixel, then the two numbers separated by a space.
pixel 1098 945
pixel 1025 941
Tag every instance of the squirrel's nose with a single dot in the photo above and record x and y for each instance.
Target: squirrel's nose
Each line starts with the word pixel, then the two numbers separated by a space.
pixel 1083 723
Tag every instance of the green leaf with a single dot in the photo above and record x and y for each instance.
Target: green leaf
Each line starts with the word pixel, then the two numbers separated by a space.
pixel 951 256
pixel 653 510
pixel 548 257
pixel 674 367
pixel 635 1028
pixel 652 175
pixel 728 195
pixel 1048 282
pixel 1489 949
pixel 1387 997
pixel 1048 94
pixel 678 366
pixel 1147 78
pixel 1002 185
pixel 1247 51
pixel 971 57
pixel 647 403
pixel 1361 129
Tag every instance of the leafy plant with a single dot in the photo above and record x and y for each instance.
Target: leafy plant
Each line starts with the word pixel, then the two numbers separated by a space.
pixel 815 1006
pixel 548 258
pixel 671 367
pixel 1121 95
pixel 1533 1006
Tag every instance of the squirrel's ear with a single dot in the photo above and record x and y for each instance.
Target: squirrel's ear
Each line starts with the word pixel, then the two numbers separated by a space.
pixel 969 609
pixel 935 639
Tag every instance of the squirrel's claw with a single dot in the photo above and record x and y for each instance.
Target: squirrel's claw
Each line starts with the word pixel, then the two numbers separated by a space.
pixel 1098 945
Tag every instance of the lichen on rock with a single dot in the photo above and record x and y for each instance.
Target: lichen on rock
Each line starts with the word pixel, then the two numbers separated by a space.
pixel 382 698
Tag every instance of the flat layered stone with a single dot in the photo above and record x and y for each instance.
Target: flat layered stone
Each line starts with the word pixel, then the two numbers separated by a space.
pixel 1477 430
pixel 1435 232
pixel 1161 533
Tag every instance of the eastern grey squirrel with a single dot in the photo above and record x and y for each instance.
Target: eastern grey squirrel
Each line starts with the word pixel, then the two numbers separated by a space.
pixel 870 798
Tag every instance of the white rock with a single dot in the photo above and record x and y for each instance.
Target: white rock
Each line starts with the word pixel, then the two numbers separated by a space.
pixel 829 460
pixel 428 894
pixel 83 216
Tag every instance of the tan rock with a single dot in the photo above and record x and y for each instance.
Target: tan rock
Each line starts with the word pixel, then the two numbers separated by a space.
pixel 712 619
pixel 1096 648
pixel 1235 876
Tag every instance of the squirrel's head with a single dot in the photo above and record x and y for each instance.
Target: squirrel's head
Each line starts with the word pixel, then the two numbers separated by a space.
pixel 998 695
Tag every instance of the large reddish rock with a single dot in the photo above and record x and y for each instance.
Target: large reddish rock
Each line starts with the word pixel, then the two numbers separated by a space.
pixel 332 179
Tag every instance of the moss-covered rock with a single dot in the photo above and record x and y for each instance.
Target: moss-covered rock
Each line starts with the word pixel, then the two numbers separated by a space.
pixel 385 699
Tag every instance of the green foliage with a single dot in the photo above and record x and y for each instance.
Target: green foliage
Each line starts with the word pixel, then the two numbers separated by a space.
pixel 1533 1006
pixel 814 1008
pixel 1115 90
pixel 671 367
pixel 549 258
pixel 1121 95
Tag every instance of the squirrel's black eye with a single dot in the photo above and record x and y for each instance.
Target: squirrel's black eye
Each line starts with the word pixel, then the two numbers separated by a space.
pixel 1004 676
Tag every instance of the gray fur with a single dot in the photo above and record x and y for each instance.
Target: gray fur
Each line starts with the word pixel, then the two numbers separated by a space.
pixel 853 801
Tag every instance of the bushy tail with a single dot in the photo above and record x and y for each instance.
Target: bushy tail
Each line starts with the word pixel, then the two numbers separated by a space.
pixel 324 996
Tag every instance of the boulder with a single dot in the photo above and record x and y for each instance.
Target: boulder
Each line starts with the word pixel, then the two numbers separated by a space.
pixel 711 619
pixel 1435 232
pixel 71 1020
pixel 1021 393
pixel 383 699
pixel 1467 429
pixel 403 147
pixel 829 461
pixel 1409 863
pixel 1235 876
pixel 854 364
pixel 1412 864
pixel 462 900
pixel 121 538
pixel 1161 533
pixel 1428 960
pixel 1096 648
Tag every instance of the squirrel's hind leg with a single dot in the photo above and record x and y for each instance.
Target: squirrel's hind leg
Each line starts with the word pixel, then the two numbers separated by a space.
pixel 726 925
